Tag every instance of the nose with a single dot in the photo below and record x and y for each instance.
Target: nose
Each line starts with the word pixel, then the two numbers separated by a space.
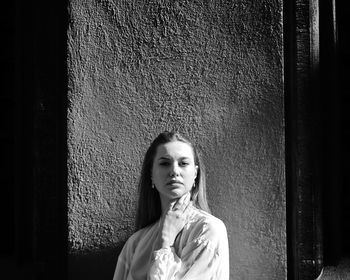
pixel 175 170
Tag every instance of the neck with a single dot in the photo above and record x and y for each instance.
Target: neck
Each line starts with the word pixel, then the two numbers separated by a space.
pixel 165 203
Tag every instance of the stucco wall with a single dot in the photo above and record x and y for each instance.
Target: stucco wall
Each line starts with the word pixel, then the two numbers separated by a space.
pixel 210 69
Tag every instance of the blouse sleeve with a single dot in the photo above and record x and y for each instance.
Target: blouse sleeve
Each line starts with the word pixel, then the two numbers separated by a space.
pixel 204 258
pixel 122 269
pixel 165 265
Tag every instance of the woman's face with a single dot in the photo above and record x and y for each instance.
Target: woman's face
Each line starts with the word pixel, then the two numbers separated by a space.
pixel 174 170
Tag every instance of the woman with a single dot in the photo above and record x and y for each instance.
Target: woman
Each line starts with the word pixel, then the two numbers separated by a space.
pixel 176 237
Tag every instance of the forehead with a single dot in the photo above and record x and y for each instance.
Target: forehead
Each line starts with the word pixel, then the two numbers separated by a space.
pixel 174 149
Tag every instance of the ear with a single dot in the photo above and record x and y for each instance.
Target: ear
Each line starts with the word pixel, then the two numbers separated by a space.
pixel 195 171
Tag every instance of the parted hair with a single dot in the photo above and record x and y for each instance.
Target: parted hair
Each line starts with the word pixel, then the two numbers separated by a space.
pixel 149 205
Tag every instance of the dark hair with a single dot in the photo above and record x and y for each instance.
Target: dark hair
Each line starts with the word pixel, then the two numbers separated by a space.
pixel 149 206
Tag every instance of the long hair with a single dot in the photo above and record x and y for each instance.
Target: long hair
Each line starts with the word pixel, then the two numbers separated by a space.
pixel 149 205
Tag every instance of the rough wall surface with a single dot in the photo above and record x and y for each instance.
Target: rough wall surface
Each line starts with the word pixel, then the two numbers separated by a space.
pixel 210 69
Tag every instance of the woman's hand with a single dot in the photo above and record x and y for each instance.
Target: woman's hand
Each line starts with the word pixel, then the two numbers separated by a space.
pixel 174 220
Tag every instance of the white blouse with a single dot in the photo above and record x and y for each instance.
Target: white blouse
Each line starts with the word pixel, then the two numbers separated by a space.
pixel 199 252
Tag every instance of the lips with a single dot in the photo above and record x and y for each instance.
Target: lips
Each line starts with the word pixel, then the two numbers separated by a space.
pixel 174 182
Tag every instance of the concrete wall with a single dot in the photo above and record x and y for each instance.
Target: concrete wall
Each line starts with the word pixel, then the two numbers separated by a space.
pixel 211 69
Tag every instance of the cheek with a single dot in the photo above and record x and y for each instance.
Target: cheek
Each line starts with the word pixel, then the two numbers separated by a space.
pixel 191 175
pixel 157 174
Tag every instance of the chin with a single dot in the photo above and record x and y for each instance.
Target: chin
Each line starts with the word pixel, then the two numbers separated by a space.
pixel 177 194
pixel 174 194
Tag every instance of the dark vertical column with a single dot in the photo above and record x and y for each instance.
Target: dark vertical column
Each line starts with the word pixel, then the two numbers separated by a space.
pixel 290 113
pixel 330 138
pixel 49 139
pixel 343 31
pixel 335 137
pixel 6 133
pixel 37 173
pixel 23 138
pixel 303 186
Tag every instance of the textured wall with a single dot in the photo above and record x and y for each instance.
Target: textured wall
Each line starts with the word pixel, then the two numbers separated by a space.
pixel 211 69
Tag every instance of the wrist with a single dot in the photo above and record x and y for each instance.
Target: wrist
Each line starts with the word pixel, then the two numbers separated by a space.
pixel 166 243
pixel 163 243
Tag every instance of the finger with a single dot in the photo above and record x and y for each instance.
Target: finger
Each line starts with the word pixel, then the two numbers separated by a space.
pixel 172 205
pixel 188 199
pixel 189 202
pixel 178 203
pixel 186 208
pixel 185 201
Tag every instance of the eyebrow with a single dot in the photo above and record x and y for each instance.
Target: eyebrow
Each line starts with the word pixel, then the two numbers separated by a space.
pixel 168 158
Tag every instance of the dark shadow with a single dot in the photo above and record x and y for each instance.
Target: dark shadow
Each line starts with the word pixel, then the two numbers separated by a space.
pixel 335 100
pixel 34 229
pixel 94 265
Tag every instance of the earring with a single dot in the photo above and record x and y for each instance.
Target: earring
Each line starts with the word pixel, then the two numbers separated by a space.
pixel 153 186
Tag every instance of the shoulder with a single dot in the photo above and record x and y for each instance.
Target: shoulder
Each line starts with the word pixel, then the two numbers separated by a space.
pixel 203 218
pixel 138 236
pixel 207 225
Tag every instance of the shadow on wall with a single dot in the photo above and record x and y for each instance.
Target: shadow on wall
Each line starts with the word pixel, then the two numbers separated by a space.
pixel 95 264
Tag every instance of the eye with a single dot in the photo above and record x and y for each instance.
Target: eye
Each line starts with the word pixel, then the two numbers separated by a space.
pixel 184 163
pixel 164 163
